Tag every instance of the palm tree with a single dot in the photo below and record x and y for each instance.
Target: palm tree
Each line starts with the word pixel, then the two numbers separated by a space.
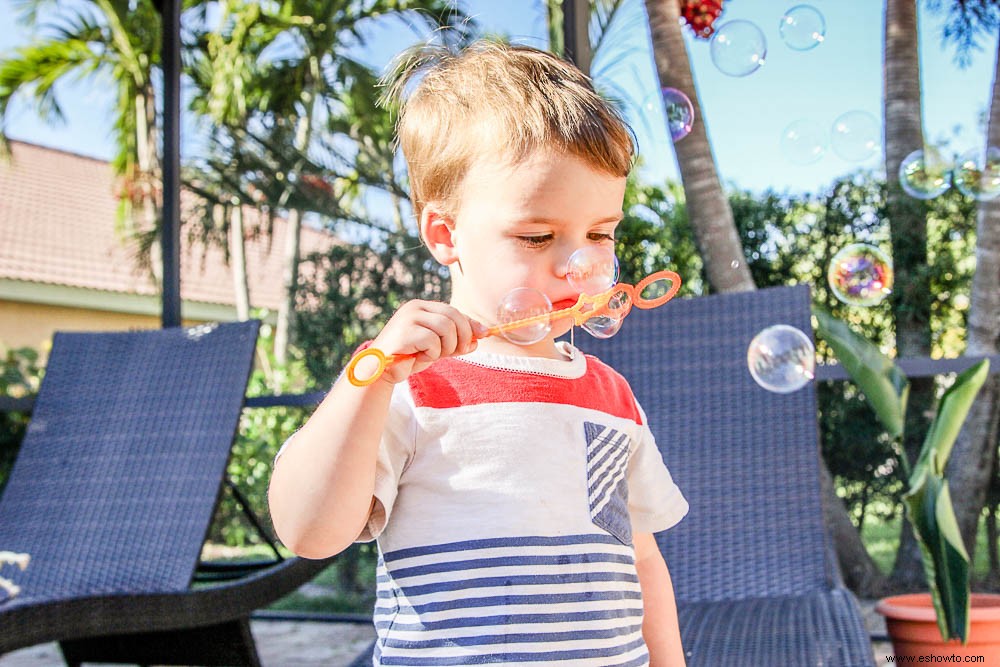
pixel 974 457
pixel 101 39
pixel 911 300
pixel 303 67
pixel 708 208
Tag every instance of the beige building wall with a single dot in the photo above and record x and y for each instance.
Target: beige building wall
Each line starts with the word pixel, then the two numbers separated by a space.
pixel 32 325
pixel 31 312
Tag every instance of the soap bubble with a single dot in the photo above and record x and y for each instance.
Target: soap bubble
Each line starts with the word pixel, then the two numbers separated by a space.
pixel 803 141
pixel 860 275
pixel 592 269
pixel 738 48
pixel 856 136
pixel 924 175
pixel 680 113
pixel 608 323
pixel 520 304
pixel 802 27
pixel 781 359
pixel 977 174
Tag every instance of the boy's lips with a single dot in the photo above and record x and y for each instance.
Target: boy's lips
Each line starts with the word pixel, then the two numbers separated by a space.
pixel 564 303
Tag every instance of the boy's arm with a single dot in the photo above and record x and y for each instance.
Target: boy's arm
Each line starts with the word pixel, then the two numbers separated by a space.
pixel 659 625
pixel 322 487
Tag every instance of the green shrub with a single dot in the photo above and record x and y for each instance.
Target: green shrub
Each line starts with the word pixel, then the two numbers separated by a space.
pixel 20 376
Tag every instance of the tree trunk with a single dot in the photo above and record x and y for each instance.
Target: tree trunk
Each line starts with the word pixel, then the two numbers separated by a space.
pixel 290 262
pixel 149 178
pixel 908 230
pixel 707 206
pixel 974 455
pixel 238 263
pixel 859 571
pixel 719 245
pixel 290 273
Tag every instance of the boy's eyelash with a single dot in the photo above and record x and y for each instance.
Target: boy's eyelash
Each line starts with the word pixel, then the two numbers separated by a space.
pixel 542 239
pixel 535 241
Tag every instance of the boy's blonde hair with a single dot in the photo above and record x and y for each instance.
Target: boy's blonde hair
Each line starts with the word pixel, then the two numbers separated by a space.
pixel 497 99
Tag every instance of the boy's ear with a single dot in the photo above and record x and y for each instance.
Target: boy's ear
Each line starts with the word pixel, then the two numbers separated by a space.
pixel 438 231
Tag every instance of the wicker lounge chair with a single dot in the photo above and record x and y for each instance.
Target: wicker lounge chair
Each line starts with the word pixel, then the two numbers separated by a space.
pixel 756 580
pixel 112 495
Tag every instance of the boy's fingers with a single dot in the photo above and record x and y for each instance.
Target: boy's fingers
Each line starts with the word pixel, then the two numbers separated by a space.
pixel 443 332
pixel 479 330
pixel 464 329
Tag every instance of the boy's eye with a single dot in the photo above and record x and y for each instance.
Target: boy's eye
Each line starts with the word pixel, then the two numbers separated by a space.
pixel 599 236
pixel 534 241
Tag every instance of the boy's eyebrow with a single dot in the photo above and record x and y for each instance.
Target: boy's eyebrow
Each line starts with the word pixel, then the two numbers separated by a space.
pixel 556 221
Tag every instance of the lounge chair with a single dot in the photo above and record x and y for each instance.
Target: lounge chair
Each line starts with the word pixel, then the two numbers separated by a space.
pixel 755 577
pixel 112 494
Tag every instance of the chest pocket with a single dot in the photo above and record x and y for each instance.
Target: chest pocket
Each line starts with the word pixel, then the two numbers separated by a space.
pixel 607 486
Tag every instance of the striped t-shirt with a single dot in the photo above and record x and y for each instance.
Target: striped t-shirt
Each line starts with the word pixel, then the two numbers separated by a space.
pixel 507 490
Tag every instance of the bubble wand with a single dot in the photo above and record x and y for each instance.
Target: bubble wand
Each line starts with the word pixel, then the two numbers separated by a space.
pixel 614 303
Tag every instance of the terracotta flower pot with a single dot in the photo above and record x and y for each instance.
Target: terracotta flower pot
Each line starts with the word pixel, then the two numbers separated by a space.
pixel 913 629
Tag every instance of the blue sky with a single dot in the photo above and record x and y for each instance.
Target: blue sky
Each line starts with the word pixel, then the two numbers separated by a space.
pixel 745 116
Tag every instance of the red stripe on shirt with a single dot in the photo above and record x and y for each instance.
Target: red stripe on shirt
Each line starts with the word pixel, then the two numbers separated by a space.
pixel 452 383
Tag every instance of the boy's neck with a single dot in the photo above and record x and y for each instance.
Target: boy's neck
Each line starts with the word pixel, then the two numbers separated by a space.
pixel 545 348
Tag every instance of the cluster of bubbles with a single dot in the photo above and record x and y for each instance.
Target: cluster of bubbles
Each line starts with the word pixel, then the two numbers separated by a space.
pixel 739 48
pixel 925 174
pixel 855 136
pixel 590 270
pixel 781 358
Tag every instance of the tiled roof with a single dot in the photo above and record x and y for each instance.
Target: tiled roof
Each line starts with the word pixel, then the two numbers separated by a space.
pixel 57 226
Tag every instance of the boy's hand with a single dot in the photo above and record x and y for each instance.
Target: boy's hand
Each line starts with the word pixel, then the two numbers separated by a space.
pixel 429 329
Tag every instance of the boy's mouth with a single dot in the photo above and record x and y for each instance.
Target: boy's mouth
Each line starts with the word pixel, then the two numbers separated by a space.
pixel 564 303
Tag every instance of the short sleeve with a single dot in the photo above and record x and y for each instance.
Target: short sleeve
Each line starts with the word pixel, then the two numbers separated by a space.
pixel 394 454
pixel 655 502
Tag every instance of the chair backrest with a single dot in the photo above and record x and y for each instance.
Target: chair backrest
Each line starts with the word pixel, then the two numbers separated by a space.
pixel 746 459
pixel 121 467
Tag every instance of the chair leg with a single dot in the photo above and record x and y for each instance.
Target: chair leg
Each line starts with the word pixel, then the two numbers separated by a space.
pixel 227 644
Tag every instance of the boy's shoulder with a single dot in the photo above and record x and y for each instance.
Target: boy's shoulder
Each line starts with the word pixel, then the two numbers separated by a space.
pixel 451 383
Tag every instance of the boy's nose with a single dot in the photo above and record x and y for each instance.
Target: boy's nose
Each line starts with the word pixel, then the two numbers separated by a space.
pixel 562 264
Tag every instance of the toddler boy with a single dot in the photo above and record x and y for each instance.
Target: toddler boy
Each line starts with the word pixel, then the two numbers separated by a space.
pixel 513 489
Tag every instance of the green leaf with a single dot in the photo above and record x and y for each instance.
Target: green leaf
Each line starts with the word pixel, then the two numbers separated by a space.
pixel 952 410
pixel 885 386
pixel 946 563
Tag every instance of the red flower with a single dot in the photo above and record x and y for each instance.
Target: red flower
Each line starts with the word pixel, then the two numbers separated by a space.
pixel 700 15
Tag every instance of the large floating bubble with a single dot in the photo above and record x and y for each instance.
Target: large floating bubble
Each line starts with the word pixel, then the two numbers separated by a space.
pixel 977 174
pixel 856 136
pixel 521 304
pixel 738 48
pixel 924 175
pixel 781 359
pixel 680 113
pixel 592 269
pixel 860 275
pixel 802 27
pixel 803 141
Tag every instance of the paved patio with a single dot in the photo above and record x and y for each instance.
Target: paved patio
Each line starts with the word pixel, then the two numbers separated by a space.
pixel 315 644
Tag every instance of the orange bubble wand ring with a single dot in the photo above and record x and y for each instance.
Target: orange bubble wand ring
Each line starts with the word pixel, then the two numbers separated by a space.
pixel 600 302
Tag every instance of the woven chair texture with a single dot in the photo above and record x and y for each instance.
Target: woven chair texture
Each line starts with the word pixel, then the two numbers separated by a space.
pixel 753 570
pixel 112 495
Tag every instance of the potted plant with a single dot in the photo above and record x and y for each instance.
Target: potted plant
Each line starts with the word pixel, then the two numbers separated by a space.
pixel 948 620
